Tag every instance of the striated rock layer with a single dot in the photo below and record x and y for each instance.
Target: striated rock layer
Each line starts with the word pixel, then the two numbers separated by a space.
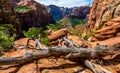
pixel 111 29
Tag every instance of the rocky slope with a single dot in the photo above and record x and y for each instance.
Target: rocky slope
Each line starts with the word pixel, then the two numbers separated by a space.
pixel 102 11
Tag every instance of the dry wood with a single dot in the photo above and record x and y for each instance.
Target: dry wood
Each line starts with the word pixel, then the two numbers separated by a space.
pixel 70 42
pixel 70 52
pixel 95 67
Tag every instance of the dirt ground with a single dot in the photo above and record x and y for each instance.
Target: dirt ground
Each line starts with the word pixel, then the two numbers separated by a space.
pixel 53 65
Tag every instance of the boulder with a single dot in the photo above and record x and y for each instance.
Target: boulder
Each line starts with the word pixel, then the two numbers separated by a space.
pixel 79 41
pixel 58 34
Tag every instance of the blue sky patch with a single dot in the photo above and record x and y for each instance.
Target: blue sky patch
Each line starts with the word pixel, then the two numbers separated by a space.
pixel 66 3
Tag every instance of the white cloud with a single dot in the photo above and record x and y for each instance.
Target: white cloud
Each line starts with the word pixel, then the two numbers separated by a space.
pixel 65 3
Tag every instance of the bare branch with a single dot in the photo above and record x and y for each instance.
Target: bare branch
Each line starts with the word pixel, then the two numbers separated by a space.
pixel 95 67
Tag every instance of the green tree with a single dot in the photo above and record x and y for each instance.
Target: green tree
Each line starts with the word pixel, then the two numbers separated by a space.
pixel 56 26
pixel 7 19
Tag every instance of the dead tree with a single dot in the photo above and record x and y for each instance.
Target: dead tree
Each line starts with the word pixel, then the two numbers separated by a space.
pixel 68 52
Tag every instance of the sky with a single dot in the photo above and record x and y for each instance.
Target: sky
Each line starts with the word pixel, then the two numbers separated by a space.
pixel 66 3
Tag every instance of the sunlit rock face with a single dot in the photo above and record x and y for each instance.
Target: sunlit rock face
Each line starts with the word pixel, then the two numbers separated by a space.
pixel 102 11
pixel 80 12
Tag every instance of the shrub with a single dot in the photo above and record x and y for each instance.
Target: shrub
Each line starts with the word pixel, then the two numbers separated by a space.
pixel 46 41
pixel 56 26
pixel 6 39
pixel 100 26
pixel 35 32
pixel 87 35
pixel 22 9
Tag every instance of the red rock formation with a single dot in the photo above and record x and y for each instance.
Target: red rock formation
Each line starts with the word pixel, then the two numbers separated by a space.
pixel 102 11
pixel 39 16
pixel 110 30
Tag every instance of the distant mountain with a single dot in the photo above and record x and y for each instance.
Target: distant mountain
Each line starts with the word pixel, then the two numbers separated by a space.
pixel 75 12
pixel 79 12
pixel 59 12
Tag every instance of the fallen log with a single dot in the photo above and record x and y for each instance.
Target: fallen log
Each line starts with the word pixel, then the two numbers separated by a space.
pixel 69 52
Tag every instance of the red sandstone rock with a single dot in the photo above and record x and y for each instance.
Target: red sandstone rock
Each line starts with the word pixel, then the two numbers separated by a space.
pixel 107 32
pixel 116 19
pixel 102 11
pixel 118 34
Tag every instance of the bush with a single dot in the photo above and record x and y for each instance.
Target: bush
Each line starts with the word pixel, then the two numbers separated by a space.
pixel 56 26
pixel 87 35
pixel 100 26
pixel 46 41
pixel 22 9
pixel 6 39
pixel 36 33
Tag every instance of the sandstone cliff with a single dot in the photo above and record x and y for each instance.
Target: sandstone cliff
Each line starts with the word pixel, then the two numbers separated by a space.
pixel 102 11
pixel 39 16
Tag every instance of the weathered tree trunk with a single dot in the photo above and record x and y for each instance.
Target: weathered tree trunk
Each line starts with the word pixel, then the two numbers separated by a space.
pixel 68 52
